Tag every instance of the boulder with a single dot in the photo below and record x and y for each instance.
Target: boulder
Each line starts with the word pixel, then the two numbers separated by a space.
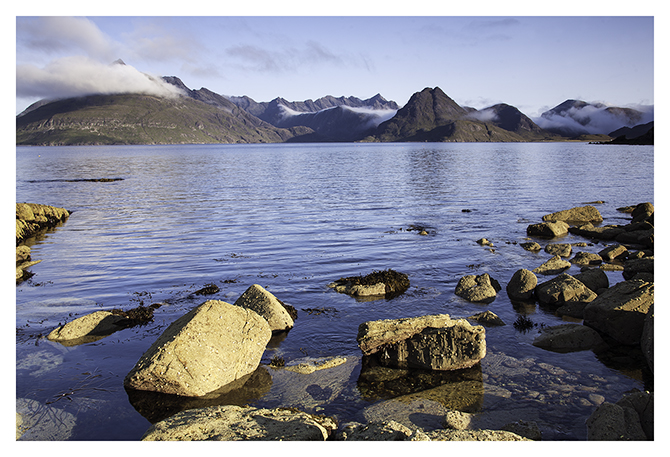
pixel 31 218
pixel 559 249
pixel 611 422
pixel 633 267
pixel 434 342
pixel 88 327
pixel 563 289
pixel 521 285
pixel 473 435
pixel 376 431
pixel 594 278
pixel 202 351
pixel 236 423
pixel 607 232
pixel 388 283
pixel 528 430
pixel 638 237
pixel 578 214
pixel 586 258
pixel 487 318
pixel 643 404
pixel 257 299
pixel 553 266
pixel 647 339
pixel 620 311
pixel 568 338
pixel 615 251
pixel 531 246
pixel 642 211
pixel 478 288
pixel 548 229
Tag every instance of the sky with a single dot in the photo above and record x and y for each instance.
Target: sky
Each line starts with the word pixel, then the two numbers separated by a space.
pixel 531 62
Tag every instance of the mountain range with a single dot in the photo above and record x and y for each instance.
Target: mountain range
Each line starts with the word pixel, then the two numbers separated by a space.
pixel 203 116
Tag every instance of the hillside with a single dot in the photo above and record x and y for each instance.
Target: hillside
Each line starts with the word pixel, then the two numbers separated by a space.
pixel 142 119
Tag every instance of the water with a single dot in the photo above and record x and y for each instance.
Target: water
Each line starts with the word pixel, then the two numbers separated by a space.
pixel 294 218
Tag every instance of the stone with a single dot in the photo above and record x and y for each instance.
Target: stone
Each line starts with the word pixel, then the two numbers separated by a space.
pixel 31 218
pixel 531 246
pixel 594 278
pixel 638 237
pixel 572 309
pixel 457 420
pixel 568 338
pixel 586 258
pixel 643 404
pixel 487 318
pixel 606 232
pixel 528 430
pixel 474 435
pixel 522 285
pixel 478 288
pixel 620 311
pixel 611 422
pixel 553 266
pixel 210 346
pixel 563 289
pixel 22 254
pixel 434 342
pixel 647 338
pixel 548 229
pixel 236 423
pixel 559 249
pixel 586 213
pixel 633 267
pixel 642 211
pixel 316 365
pixel 99 323
pixel 484 242
pixel 388 283
pixel 257 299
pixel 379 431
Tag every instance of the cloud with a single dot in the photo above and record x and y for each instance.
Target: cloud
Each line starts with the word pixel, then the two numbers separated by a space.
pixel 485 115
pixel 594 118
pixel 77 76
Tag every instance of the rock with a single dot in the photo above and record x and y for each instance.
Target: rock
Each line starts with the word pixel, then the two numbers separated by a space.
pixel 642 211
pixel 478 288
pixel 235 423
pixel 572 309
pixel 638 237
pixel 643 404
pixel 434 342
pixel 586 258
pixel 633 267
pixel 257 299
pixel 553 266
pixel 563 289
pixel 202 351
pixel 568 338
pixel 607 232
pixel 389 283
pixel 209 289
pixel 316 365
pixel 87 328
pixel 579 214
pixel 610 422
pixel 484 242
pixel 411 411
pixel 31 218
pixel 548 229
pixel 528 430
pixel 647 339
pixel 39 422
pixel 457 420
pixel 620 311
pixel 531 246
pixel 379 431
pixel 521 285
pixel 487 318
pixel 594 278
pixel 559 249
pixel 22 254
pixel 473 435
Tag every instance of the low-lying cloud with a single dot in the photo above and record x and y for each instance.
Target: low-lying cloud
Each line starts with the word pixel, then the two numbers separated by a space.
pixel 593 119
pixel 79 76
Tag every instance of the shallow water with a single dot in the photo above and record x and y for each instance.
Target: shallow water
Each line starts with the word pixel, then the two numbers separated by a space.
pixel 294 218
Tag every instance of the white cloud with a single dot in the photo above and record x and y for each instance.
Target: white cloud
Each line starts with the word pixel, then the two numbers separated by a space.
pixel 77 76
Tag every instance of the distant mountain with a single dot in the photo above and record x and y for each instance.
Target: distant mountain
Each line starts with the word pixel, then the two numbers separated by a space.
pixel 431 115
pixel 576 117
pixel 632 132
pixel 144 119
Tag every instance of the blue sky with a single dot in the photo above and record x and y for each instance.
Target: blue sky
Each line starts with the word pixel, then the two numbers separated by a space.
pixel 531 62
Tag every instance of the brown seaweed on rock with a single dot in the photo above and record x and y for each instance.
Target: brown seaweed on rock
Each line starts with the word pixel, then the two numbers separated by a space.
pixel 395 282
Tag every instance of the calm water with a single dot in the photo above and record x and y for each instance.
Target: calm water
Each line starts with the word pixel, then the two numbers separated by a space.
pixel 294 218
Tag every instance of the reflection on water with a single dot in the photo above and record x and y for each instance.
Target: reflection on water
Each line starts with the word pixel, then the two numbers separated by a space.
pixel 294 218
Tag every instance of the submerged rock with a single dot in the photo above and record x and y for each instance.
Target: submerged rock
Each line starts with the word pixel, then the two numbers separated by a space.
pixel 568 338
pixel 87 328
pixel 478 288
pixel 434 342
pixel 586 213
pixel 235 423
pixel 202 351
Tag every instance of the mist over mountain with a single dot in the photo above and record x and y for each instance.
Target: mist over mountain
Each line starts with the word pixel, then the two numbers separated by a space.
pixel 182 115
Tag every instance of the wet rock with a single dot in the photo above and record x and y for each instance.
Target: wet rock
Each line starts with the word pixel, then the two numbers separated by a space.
pixel 548 229
pixel 568 338
pixel 202 351
pixel 642 211
pixel 578 214
pixel 32 218
pixel 638 237
pixel 633 267
pixel 553 266
pixel 647 339
pixel 594 278
pixel 559 249
pixel 235 423
pixel 484 242
pixel 209 289
pixel 610 422
pixel 316 365
pixel 38 422
pixel 87 328
pixel 487 318
pixel 473 435
pixel 531 246
pixel 643 404
pixel 378 431
pixel 388 283
pixel 563 289
pixel 607 232
pixel 257 299
pixel 586 258
pixel 620 311
pixel 478 288
pixel 521 285
pixel 528 430
pixel 434 342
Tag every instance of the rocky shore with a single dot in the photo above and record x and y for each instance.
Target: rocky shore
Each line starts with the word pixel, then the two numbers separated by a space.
pixel 217 347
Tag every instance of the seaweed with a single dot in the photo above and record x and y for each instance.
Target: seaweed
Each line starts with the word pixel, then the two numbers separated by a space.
pixel 139 316
pixel 396 283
